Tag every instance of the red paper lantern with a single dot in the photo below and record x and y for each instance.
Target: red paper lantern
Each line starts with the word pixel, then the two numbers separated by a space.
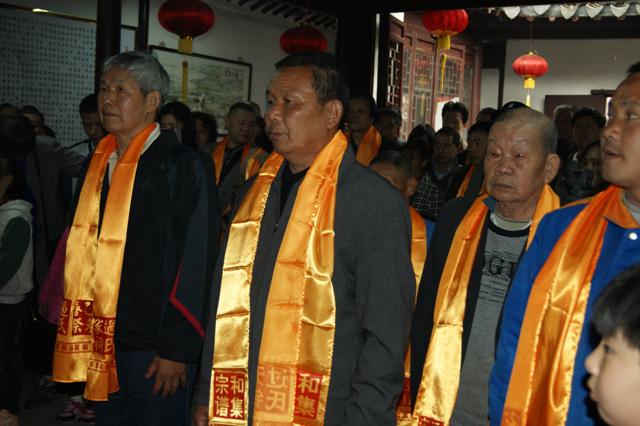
pixel 445 23
pixel 530 67
pixel 302 39
pixel 186 18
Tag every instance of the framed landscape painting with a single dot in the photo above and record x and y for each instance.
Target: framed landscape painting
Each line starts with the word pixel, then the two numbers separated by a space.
pixel 214 84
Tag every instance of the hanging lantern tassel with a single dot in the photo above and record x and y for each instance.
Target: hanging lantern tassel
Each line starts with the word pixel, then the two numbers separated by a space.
pixel 443 62
pixel 185 81
pixel 444 42
pixel 444 24
pixel 185 45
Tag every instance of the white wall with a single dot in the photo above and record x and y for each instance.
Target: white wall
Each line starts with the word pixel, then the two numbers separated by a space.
pixel 489 88
pixel 235 35
pixel 575 67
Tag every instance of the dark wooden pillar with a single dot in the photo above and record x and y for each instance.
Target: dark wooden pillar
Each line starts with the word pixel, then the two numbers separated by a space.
pixel 107 34
pixel 142 35
pixel 356 45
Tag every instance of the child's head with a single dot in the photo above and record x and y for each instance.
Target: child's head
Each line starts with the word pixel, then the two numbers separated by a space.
pixel 615 364
pixel 12 180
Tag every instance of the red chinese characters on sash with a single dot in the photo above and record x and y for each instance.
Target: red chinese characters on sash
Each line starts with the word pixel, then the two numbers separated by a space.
pixel 229 395
pixel 80 314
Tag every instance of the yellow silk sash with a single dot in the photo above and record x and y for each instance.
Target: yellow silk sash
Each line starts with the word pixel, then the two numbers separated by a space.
pixel 540 386
pixel 441 374
pixel 93 265
pixel 465 183
pixel 369 146
pixel 253 165
pixel 218 156
pixel 418 256
pixel 296 350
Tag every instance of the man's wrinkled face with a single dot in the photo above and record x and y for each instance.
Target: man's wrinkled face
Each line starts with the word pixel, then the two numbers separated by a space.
pixel 297 124
pixel 515 166
pixel 92 126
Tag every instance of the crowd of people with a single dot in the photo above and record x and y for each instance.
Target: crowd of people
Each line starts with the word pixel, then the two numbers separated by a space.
pixel 312 267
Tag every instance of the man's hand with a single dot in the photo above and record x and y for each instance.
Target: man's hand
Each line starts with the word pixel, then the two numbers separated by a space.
pixel 201 415
pixel 42 309
pixel 168 375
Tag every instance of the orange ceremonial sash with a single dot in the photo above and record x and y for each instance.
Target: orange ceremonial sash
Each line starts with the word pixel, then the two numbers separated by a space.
pixel 441 374
pixel 418 256
pixel 93 265
pixel 296 349
pixel 218 156
pixel 253 165
pixel 465 183
pixel 369 146
pixel 540 385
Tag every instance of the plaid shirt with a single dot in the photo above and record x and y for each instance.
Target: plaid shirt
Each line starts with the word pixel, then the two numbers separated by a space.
pixel 428 199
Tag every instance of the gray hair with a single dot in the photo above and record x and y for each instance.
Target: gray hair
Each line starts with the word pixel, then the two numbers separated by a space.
pixel 563 107
pixel 145 69
pixel 546 127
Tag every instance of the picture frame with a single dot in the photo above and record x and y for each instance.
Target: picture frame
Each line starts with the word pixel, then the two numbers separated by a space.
pixel 214 84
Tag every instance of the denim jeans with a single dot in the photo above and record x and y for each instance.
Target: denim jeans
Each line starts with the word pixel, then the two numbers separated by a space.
pixel 134 404
pixel 11 316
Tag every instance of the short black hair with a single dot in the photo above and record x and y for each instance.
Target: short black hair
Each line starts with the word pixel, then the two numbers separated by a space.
pixel 482 126
pixel 242 106
pixel 423 131
pixel 182 113
pixel 634 68
pixel 370 102
pixel 598 117
pixel 9 167
pixel 390 112
pixel 89 105
pixel 449 131
pixel 616 308
pixel 17 135
pixel 456 107
pixel 400 161
pixel 329 78
pixel 30 109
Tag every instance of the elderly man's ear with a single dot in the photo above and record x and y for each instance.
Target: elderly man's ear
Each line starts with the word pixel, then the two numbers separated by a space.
pixel 551 167
pixel 334 113
pixel 153 101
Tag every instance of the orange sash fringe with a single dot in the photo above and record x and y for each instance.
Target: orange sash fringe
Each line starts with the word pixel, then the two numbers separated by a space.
pixel 540 385
pixel 84 347
pixel 441 374
pixel 418 256
pixel 369 146
pixel 297 341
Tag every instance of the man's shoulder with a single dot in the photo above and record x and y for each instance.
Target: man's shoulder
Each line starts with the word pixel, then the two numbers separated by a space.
pixel 454 211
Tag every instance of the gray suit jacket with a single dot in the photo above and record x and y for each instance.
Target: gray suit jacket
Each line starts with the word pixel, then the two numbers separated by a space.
pixel 374 289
